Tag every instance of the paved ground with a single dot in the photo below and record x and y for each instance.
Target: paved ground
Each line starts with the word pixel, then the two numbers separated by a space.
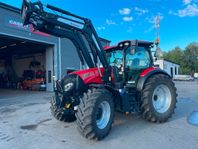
pixel 26 123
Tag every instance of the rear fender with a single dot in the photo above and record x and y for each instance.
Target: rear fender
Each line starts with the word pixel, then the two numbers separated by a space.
pixel 143 78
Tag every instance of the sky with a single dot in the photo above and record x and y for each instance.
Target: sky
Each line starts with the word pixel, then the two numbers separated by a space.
pixel 118 20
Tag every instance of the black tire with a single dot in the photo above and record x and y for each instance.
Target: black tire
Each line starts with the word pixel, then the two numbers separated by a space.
pixel 60 113
pixel 149 112
pixel 86 114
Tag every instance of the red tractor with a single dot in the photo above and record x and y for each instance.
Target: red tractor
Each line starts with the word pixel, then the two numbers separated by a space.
pixel 120 78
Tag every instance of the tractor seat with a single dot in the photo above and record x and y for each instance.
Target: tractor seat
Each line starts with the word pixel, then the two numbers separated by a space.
pixel 135 63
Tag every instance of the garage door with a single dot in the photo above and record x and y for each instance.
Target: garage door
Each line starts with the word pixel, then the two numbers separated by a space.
pixel 25 65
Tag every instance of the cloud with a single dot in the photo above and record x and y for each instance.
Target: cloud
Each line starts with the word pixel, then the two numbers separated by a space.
pixel 127 18
pixel 149 30
pixel 110 22
pixel 125 11
pixel 101 28
pixel 186 2
pixel 130 29
pixel 190 10
pixel 126 14
pixel 171 12
pixel 152 21
pixel 140 11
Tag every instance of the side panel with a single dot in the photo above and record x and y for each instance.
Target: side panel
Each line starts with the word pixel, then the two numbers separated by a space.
pixel 90 76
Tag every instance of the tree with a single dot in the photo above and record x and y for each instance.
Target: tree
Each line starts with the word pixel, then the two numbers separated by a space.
pixel 176 55
pixel 191 58
pixel 187 59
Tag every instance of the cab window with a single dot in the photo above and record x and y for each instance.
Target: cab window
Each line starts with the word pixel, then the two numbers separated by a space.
pixel 115 58
pixel 137 58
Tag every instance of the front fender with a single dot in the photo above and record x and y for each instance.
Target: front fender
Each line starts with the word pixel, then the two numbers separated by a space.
pixel 116 95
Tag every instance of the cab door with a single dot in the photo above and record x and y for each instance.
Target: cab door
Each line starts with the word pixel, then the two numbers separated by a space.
pixel 137 59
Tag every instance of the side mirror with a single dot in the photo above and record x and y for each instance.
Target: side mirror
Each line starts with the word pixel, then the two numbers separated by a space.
pixel 155 59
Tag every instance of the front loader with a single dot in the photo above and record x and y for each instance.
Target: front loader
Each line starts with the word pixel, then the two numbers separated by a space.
pixel 118 78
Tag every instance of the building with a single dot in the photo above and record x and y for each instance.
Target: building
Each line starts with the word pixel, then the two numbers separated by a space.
pixel 23 50
pixel 170 67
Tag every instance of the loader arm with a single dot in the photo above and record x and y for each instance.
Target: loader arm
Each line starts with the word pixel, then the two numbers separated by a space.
pixel 64 24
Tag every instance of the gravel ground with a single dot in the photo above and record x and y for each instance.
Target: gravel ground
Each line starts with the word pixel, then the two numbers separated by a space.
pixel 26 123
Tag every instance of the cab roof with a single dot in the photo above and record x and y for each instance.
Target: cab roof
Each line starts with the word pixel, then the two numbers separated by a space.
pixel 132 42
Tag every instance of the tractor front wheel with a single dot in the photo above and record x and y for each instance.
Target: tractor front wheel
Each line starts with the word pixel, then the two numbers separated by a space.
pixel 60 113
pixel 158 98
pixel 95 114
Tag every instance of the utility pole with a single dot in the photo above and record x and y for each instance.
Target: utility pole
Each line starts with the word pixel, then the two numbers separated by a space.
pixel 157 26
pixel 159 53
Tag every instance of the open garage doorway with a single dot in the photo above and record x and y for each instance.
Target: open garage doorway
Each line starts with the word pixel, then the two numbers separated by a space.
pixel 25 64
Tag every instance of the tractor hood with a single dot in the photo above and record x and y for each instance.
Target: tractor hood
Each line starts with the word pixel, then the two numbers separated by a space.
pixel 90 76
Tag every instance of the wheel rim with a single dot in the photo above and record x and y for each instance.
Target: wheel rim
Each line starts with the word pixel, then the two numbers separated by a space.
pixel 103 114
pixel 161 98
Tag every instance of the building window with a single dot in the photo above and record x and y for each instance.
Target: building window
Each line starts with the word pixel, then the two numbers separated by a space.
pixel 175 70
pixel 165 66
pixel 171 70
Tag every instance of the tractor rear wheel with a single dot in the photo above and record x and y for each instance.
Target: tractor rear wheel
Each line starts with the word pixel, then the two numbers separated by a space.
pixel 95 114
pixel 158 99
pixel 61 114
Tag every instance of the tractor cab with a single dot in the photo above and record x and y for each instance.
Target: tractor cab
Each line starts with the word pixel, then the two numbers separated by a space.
pixel 128 59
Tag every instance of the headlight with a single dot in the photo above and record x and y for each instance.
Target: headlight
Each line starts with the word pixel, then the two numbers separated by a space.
pixel 68 86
